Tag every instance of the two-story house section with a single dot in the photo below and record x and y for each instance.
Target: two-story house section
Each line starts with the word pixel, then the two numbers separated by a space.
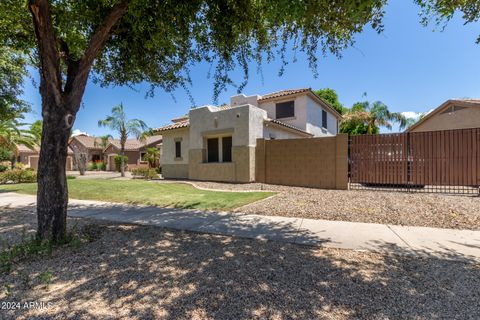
pixel 218 143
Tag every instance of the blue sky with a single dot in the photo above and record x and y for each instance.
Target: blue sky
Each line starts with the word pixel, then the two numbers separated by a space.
pixel 409 67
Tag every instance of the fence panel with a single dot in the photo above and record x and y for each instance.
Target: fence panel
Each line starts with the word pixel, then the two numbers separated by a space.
pixel 437 161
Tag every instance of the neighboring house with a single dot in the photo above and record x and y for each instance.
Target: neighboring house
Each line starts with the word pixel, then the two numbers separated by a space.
pixel 88 145
pixel 135 150
pixel 218 143
pixel 29 157
pixel 452 114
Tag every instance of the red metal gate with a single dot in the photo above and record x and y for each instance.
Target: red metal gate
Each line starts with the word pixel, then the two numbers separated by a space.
pixel 437 161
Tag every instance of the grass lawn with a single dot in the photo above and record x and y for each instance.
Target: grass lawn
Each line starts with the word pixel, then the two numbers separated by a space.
pixel 150 193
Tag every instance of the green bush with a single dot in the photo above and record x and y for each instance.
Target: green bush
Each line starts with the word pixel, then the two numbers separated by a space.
pixel 18 176
pixel 102 166
pixel 144 173
pixel 71 177
pixel 92 166
pixel 158 170
pixel 118 162
pixel 3 168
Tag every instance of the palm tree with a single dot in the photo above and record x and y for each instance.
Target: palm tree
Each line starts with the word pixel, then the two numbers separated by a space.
pixel 370 117
pixel 104 141
pixel 11 135
pixel 118 122
pixel 152 156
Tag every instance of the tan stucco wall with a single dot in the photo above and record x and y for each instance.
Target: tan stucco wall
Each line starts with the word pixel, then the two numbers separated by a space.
pixel 175 171
pixel 167 155
pixel 460 119
pixel 241 169
pixel 311 162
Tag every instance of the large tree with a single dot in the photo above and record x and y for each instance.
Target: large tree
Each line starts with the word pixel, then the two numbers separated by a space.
pixel 331 96
pixel 126 42
pixel 12 74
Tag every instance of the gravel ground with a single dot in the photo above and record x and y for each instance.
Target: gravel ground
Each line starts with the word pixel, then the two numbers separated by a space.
pixel 140 272
pixel 398 208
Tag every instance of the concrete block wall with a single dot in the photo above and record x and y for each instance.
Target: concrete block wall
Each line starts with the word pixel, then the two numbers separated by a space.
pixel 311 162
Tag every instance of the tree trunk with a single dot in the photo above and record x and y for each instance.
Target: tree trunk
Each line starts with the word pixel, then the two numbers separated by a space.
pixel 122 161
pixel 52 194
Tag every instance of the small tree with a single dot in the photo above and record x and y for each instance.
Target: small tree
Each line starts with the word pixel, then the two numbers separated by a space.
pixel 152 156
pixel 80 161
pixel 118 122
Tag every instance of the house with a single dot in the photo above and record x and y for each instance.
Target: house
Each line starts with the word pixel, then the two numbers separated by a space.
pixel 135 151
pixel 452 114
pixel 88 145
pixel 29 157
pixel 218 143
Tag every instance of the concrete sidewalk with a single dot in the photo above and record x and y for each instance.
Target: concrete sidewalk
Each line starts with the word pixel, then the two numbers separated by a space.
pixel 442 243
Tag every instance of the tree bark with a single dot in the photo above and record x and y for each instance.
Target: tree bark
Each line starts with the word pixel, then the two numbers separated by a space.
pixel 52 194
pixel 122 161
pixel 60 104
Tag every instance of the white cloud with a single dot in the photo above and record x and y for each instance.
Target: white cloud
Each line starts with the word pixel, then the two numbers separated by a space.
pixel 411 114
pixel 78 132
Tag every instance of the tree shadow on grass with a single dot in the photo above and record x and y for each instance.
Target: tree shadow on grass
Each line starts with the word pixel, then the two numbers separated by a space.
pixel 144 272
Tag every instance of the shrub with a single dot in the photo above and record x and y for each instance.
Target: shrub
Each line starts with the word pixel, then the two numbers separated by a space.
pixel 19 166
pixel 118 162
pixel 92 166
pixel 3 168
pixel 144 173
pixel 18 176
pixel 71 177
pixel 159 170
pixel 102 166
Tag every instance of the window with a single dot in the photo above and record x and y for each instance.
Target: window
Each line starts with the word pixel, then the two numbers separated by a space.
pixel 285 110
pixel 95 158
pixel 212 150
pixel 324 119
pixel 178 149
pixel 142 156
pixel 227 149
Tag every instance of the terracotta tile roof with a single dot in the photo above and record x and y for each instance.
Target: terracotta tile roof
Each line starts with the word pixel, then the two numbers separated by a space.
pixel 23 148
pixel 176 125
pixel 283 93
pixel 134 144
pixel 288 126
pixel 88 141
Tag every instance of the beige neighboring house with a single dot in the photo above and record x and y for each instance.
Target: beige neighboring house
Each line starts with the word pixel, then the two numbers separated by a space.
pixel 135 150
pixel 218 143
pixel 452 114
pixel 29 157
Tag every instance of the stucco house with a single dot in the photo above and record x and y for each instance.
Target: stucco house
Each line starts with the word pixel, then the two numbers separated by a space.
pixel 135 151
pixel 29 157
pixel 218 143
pixel 452 114
pixel 88 145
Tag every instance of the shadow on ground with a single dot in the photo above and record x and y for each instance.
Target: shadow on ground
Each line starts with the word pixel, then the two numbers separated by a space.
pixel 144 272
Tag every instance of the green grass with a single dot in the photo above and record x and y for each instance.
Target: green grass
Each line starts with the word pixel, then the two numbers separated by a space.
pixel 176 195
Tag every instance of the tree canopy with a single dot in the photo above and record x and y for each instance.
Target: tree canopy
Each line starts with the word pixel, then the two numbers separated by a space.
pixel 158 41
pixel 12 74
pixel 331 96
